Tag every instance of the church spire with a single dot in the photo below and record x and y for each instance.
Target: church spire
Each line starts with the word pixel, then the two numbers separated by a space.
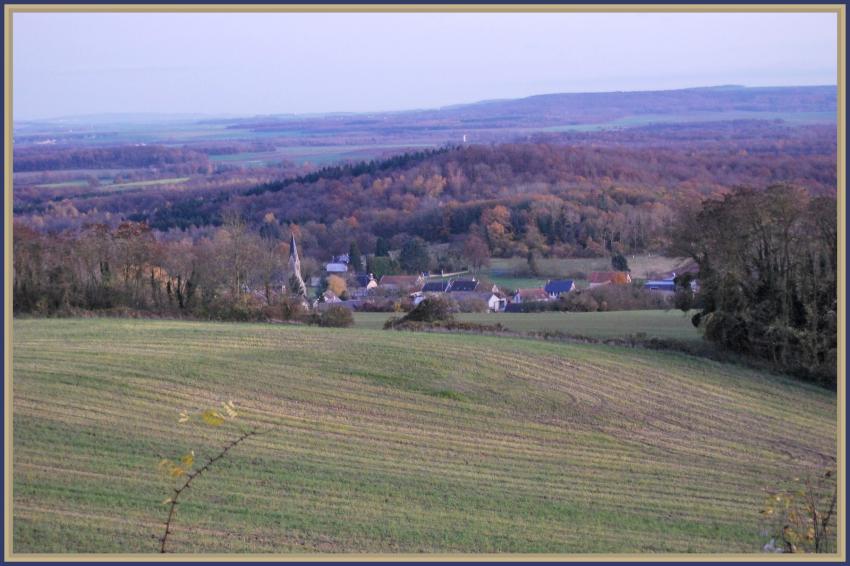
pixel 296 283
pixel 293 250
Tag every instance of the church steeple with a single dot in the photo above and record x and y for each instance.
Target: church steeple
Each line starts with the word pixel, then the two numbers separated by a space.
pixel 293 251
pixel 296 283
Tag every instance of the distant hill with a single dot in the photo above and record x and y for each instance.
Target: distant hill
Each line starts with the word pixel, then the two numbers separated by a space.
pixel 580 108
pixel 490 121
pixel 611 105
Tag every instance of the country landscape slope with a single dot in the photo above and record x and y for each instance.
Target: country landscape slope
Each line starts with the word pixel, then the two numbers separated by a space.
pixel 382 441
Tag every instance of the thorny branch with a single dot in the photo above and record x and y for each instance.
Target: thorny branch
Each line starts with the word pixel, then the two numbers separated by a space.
pixel 192 475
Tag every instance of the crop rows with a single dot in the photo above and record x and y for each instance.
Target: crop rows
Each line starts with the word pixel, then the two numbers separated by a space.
pixel 381 441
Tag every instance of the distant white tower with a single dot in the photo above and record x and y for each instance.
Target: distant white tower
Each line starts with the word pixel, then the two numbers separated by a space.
pixel 464 138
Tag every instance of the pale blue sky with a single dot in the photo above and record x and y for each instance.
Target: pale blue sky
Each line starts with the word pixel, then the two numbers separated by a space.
pixel 71 64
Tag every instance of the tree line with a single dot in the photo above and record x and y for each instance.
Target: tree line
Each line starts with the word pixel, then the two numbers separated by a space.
pixel 767 276
pixel 767 270
pixel 49 158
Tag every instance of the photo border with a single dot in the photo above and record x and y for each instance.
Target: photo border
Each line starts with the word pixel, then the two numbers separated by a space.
pixel 11 9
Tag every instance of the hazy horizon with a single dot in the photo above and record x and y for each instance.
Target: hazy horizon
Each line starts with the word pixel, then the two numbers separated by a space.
pixel 213 64
pixel 232 115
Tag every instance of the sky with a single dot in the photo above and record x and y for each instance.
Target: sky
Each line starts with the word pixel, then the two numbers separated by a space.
pixel 278 63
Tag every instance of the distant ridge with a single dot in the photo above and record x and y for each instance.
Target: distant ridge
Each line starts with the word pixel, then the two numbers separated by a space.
pixel 815 98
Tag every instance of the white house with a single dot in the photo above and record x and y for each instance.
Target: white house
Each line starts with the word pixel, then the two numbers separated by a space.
pixel 336 268
pixel 496 303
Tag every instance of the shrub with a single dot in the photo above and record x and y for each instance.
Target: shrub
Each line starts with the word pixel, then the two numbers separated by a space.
pixel 579 301
pixel 472 305
pixel 801 515
pixel 336 316
pixel 378 304
pixel 243 308
pixel 629 297
pixel 432 309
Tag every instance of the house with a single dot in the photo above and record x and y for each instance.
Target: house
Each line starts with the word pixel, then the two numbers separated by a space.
pixel 336 268
pixel 598 278
pixel 530 295
pixel 557 287
pixel 667 284
pixel 361 284
pixel 440 286
pixel 460 285
pixel 401 282
pixel 497 303
pixel 365 281
pixel 664 286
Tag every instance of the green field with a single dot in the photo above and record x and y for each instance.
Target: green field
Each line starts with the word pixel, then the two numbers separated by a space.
pixel 316 154
pixel 169 181
pixel 508 283
pixel 107 185
pixel 614 324
pixel 79 183
pixel 385 441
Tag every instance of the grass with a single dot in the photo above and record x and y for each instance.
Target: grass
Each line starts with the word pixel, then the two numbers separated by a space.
pixel 109 186
pixel 396 442
pixel 316 154
pixel 514 283
pixel 79 183
pixel 170 181
pixel 614 324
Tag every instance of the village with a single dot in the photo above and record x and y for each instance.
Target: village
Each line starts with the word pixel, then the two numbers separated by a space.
pixel 357 290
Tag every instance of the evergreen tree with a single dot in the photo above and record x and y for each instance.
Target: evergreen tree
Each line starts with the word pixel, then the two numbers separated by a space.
pixel 532 264
pixel 619 263
pixel 354 257
pixel 382 247
pixel 414 256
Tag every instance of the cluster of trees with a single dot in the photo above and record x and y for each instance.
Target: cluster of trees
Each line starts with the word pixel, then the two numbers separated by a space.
pixel 48 158
pixel 768 276
pixel 603 298
pixel 226 274
pixel 545 199
pixel 233 271
pixel 567 194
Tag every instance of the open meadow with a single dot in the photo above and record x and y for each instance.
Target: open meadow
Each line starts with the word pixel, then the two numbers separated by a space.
pixel 381 441
pixel 601 325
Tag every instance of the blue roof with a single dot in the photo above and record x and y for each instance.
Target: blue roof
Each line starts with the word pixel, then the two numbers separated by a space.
pixel 463 285
pixel 435 286
pixel 559 286
pixel 665 284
